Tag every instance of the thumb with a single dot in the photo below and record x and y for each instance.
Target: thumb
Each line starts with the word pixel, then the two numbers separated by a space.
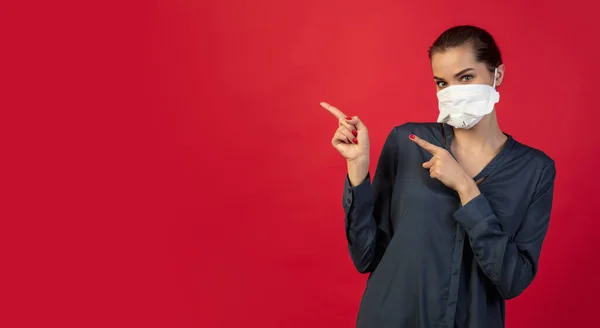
pixel 429 163
pixel 360 126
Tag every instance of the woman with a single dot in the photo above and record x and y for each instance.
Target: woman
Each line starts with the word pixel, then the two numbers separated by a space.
pixel 453 223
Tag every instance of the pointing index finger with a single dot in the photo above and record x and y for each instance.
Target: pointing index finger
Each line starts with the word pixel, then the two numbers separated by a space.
pixel 433 149
pixel 336 112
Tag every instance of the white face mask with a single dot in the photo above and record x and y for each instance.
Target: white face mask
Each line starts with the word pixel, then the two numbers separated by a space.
pixel 464 105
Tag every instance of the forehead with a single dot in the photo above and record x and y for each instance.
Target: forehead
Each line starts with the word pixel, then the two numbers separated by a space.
pixel 446 64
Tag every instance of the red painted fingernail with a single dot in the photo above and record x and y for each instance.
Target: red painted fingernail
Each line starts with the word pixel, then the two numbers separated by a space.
pixel 412 136
pixel 355 141
pixel 354 133
pixel 348 118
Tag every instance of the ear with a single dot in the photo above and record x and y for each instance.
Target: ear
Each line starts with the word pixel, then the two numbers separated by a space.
pixel 500 75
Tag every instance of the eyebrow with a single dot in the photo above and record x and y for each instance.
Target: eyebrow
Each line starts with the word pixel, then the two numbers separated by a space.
pixel 457 74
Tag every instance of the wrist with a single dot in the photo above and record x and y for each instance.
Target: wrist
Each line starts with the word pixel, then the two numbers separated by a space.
pixel 358 161
pixel 468 190
pixel 358 171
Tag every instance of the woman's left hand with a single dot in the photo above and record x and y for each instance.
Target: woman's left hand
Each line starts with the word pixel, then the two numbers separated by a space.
pixel 446 169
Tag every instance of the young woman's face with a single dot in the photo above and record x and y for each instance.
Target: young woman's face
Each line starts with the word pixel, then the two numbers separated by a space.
pixel 458 66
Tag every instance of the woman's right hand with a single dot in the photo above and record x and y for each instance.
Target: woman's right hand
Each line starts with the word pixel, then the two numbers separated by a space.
pixel 351 139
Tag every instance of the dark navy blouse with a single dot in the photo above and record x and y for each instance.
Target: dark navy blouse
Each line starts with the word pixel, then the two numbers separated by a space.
pixel 433 262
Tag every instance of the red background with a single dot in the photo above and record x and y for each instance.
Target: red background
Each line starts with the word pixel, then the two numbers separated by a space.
pixel 167 164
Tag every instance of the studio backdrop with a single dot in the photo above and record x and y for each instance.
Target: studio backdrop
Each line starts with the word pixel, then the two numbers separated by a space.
pixel 169 164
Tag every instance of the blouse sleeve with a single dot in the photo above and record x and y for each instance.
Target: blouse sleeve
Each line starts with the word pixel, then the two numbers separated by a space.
pixel 510 262
pixel 367 209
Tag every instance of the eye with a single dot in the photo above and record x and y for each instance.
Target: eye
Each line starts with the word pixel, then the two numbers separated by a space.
pixel 466 78
pixel 440 84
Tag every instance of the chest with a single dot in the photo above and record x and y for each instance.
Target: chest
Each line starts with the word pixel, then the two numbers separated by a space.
pixel 473 164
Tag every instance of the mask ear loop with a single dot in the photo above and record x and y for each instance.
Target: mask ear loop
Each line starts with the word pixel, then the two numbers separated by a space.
pixel 495 77
pixel 478 182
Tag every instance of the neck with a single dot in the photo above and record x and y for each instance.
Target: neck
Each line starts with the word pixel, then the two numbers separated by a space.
pixel 486 135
